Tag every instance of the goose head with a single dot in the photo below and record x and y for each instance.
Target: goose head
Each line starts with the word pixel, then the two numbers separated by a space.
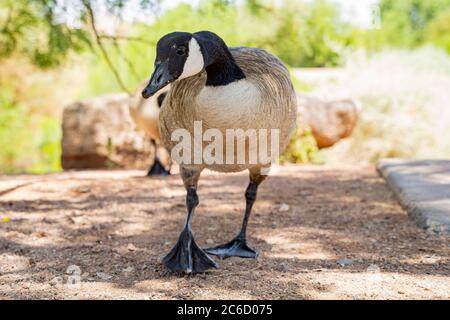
pixel 181 55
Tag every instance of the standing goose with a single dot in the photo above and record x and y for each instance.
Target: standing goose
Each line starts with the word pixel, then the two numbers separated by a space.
pixel 145 114
pixel 224 88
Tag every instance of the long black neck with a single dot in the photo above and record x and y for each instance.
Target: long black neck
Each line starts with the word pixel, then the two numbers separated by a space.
pixel 223 71
pixel 221 68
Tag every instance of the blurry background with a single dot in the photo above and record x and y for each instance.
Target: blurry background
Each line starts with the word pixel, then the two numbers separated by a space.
pixel 391 56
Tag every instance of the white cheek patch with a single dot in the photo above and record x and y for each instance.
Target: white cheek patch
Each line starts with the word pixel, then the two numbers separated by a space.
pixel 194 63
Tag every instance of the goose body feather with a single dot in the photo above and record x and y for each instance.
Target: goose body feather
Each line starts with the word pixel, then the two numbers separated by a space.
pixel 264 99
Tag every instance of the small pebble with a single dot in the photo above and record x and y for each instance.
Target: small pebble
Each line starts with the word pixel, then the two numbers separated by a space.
pixel 345 262
pixel 284 267
pixel 131 247
pixel 84 189
pixel 128 270
pixel 56 281
pixel 104 276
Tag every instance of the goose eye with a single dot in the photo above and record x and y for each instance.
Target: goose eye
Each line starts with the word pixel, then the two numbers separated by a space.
pixel 181 51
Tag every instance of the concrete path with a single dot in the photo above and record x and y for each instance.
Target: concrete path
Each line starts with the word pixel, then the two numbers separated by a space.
pixel 423 187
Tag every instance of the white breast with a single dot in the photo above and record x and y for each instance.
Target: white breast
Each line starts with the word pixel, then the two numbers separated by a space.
pixel 230 106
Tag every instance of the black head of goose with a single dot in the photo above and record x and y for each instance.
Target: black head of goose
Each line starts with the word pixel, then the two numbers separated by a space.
pixel 214 87
pixel 181 55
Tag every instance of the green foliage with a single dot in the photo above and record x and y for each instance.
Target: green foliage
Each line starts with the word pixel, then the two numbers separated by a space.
pixel 438 31
pixel 133 61
pixel 22 146
pixel 48 31
pixel 301 149
pixel 47 145
pixel 31 28
pixel 12 134
pixel 405 22
pixel 302 34
pixel 310 35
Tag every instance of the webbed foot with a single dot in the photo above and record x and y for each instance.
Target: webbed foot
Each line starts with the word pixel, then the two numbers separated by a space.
pixel 187 256
pixel 235 248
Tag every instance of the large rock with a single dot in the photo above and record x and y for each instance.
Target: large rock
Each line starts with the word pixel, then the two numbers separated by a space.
pixel 99 133
pixel 330 121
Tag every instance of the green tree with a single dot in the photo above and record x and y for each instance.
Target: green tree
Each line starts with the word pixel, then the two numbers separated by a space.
pixel 41 30
pixel 404 22
pixel 438 31
pixel 310 35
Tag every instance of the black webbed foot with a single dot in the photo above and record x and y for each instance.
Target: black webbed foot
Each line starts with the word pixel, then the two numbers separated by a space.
pixel 187 256
pixel 158 170
pixel 235 248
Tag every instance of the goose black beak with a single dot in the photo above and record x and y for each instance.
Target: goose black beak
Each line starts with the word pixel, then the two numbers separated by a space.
pixel 161 77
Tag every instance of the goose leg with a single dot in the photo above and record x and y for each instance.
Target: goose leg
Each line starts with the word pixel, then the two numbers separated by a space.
pixel 186 255
pixel 158 169
pixel 238 246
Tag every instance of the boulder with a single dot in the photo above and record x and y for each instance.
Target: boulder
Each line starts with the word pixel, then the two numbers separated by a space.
pixel 99 133
pixel 330 121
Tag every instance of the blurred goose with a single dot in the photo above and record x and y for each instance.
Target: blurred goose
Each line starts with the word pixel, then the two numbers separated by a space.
pixel 225 88
pixel 145 114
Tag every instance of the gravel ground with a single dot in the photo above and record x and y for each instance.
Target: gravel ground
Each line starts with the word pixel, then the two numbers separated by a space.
pixel 322 233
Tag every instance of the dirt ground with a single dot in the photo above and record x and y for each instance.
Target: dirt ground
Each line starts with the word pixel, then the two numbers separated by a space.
pixel 322 233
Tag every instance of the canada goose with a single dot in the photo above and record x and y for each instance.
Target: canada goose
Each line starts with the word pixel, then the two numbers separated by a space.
pixel 145 114
pixel 224 88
